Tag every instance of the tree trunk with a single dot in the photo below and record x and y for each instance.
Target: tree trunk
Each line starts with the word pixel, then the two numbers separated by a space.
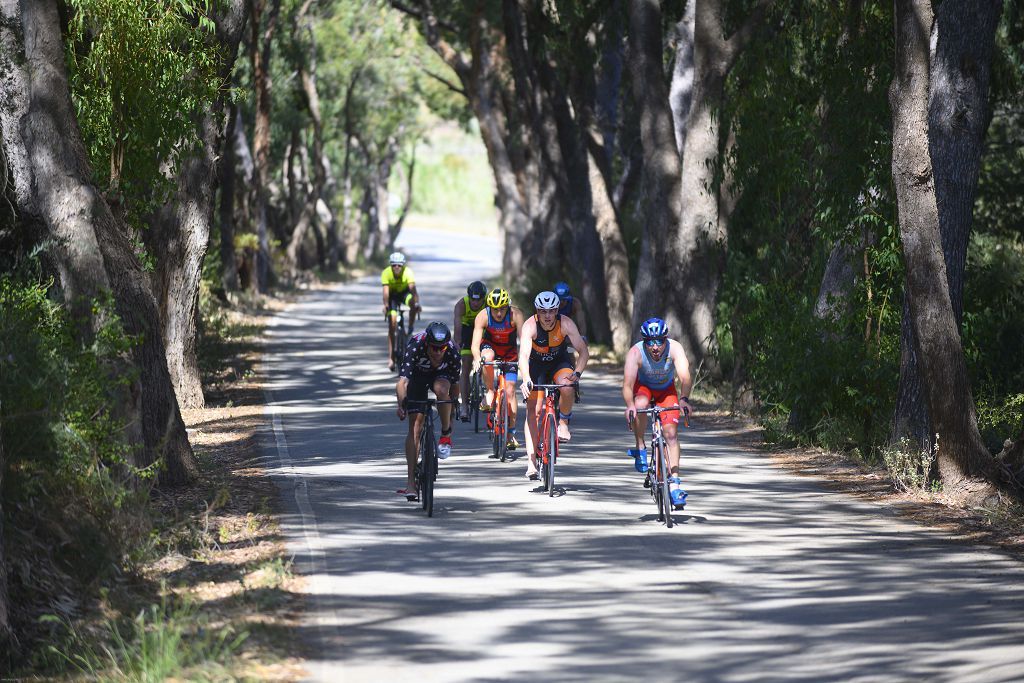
pixel 5 611
pixel 226 172
pixel 260 45
pixel 681 90
pixel 179 234
pixel 961 45
pixel 93 252
pixel 961 461
pixel 661 169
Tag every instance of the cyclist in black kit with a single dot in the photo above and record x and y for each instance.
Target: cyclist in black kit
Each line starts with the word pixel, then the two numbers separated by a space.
pixel 431 362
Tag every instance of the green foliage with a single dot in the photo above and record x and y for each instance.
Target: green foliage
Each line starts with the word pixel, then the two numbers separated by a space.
pixel 68 507
pixel 140 72
pixel 811 160
pixel 908 466
pixel 162 641
pixel 452 175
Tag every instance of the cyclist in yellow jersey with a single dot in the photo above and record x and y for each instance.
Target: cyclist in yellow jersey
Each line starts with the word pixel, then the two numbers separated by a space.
pixel 399 288
pixel 466 309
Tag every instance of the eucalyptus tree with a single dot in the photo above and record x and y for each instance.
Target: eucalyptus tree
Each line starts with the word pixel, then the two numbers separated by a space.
pixel 91 246
pixel 962 41
pixel 962 463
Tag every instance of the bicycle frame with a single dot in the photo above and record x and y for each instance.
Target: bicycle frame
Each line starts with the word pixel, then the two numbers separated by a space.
pixel 401 337
pixel 500 409
pixel 547 448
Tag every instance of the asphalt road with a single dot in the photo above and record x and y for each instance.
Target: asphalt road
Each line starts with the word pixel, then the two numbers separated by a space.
pixel 767 576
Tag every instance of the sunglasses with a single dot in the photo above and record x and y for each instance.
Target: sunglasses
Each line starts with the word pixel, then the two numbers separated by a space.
pixel 433 347
pixel 654 342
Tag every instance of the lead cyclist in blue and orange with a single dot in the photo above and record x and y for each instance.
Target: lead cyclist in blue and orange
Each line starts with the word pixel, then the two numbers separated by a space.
pixel 399 287
pixel 496 337
pixel 652 368
pixel 544 359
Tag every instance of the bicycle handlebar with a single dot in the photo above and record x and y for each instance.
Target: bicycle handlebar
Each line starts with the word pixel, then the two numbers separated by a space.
pixel 658 410
pixel 429 402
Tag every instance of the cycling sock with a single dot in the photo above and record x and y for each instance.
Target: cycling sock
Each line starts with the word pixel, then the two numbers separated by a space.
pixel 564 416
pixel 448 433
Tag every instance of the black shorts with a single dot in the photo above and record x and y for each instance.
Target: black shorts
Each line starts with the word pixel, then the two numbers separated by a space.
pixel 404 299
pixel 543 372
pixel 467 340
pixel 419 384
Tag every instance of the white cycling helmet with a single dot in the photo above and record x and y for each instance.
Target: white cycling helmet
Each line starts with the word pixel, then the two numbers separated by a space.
pixel 397 259
pixel 546 301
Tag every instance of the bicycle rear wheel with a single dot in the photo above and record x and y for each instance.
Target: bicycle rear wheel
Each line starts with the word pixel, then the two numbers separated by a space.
pixel 666 495
pixel 552 437
pixel 656 479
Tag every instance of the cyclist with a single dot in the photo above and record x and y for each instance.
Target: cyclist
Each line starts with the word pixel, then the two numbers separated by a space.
pixel 431 362
pixel 495 334
pixel 544 359
pixel 652 367
pixel 399 288
pixel 466 310
pixel 570 306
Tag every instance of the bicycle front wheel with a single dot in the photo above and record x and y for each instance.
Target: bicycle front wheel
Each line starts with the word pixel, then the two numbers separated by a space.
pixel 502 424
pixel 427 465
pixel 399 349
pixel 552 438
pixel 475 394
pixel 666 495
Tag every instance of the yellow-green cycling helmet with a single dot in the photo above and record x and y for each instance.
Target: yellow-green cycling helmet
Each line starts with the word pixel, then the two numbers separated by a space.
pixel 498 298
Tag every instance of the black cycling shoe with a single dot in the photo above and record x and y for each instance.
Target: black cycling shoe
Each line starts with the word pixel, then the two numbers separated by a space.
pixel 647 481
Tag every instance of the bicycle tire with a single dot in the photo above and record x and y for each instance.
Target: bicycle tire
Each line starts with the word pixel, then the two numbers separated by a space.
pixel 427 469
pixel 495 436
pixel 552 453
pixel 475 394
pixel 656 482
pixel 398 351
pixel 666 494
pixel 503 423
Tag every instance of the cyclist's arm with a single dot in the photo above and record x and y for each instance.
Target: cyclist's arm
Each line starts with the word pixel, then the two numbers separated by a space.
pixel 479 323
pixel 529 331
pixel 579 317
pixel 682 368
pixel 454 370
pixel 629 377
pixel 415 295
pixel 387 295
pixel 460 308
pixel 582 352
pixel 401 387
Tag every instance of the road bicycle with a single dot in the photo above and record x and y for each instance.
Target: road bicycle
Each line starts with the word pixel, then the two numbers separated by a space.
pixel 657 467
pixel 547 448
pixel 426 467
pixel 498 422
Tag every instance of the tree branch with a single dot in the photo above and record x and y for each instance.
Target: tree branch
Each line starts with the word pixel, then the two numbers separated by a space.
pixel 448 84
pixel 739 40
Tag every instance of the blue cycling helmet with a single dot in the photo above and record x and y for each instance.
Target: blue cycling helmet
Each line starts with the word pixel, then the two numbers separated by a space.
pixel 654 328
pixel 561 289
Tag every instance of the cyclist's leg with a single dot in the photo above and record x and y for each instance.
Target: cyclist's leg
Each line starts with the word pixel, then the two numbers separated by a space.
pixel 670 428
pixel 511 379
pixel 566 398
pixel 641 400
pixel 392 323
pixel 534 405
pixel 442 390
pixel 407 300
pixel 487 355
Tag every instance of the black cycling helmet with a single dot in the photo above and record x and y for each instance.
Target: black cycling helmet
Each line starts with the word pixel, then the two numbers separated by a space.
pixel 476 290
pixel 438 333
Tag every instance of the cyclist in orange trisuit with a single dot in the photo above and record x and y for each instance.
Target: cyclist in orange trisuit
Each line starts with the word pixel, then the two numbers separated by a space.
pixel 544 359
pixel 652 367
pixel 466 310
pixel 495 334
pixel 399 288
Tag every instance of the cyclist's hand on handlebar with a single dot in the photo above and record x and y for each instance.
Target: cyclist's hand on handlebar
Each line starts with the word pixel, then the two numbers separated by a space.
pixel 630 416
pixel 401 411
pixel 527 387
pixel 684 406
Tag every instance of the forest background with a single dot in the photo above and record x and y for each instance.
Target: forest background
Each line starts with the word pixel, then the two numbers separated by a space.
pixel 824 199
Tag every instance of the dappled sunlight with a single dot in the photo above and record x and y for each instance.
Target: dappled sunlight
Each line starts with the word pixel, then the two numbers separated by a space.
pixel 765 575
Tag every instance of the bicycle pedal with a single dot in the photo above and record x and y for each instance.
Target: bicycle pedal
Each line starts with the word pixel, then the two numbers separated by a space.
pixel 647 482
